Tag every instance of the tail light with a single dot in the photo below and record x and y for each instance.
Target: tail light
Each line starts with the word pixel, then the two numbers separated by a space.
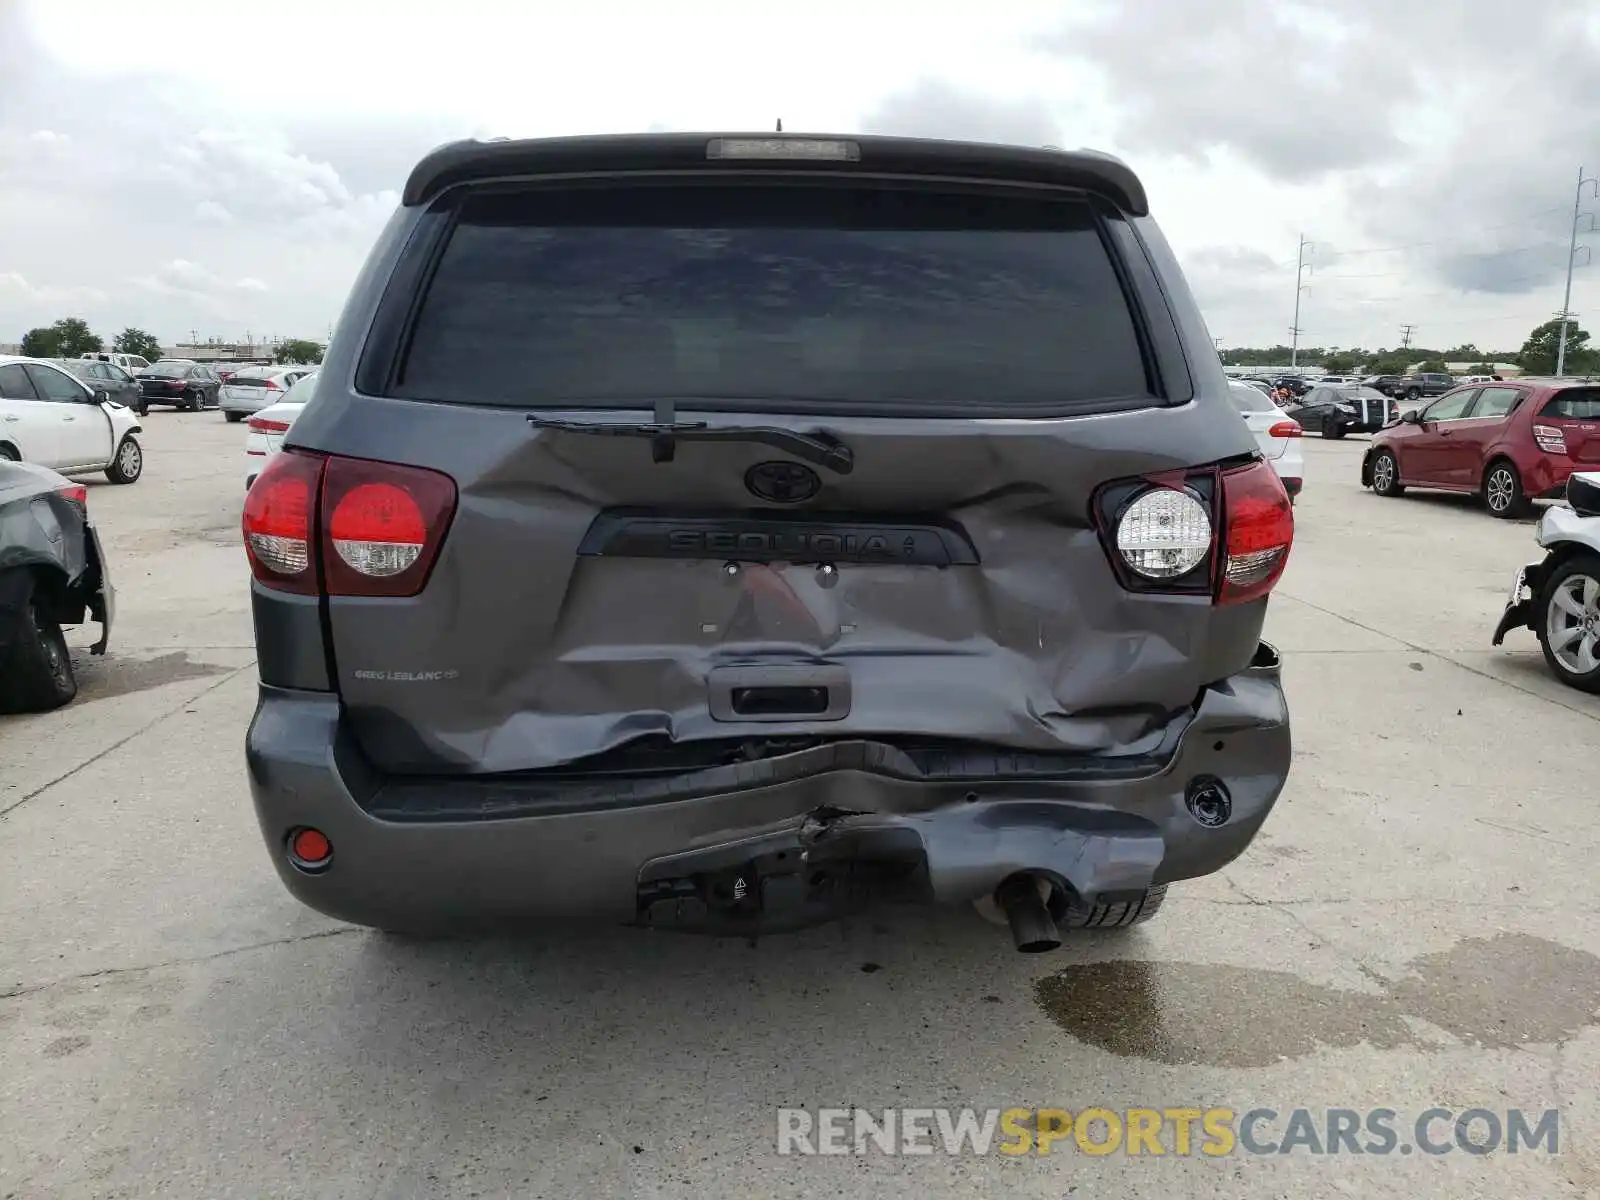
pixel 272 386
pixel 1285 429
pixel 1258 529
pixel 267 425
pixel 1224 534
pixel 346 526
pixel 76 493
pixel 1550 438
pixel 280 512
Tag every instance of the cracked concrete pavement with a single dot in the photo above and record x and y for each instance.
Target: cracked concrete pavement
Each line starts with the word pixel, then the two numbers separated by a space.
pixel 1415 928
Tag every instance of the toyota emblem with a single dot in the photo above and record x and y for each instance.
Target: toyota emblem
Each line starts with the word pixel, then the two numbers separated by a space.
pixel 782 482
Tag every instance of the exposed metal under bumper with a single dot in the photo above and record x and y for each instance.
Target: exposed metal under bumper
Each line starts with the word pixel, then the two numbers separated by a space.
pixel 790 850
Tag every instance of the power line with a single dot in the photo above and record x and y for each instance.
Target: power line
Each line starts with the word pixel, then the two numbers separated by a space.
pixel 1405 340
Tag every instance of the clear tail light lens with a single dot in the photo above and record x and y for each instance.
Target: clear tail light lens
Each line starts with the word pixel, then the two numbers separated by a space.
pixel 1258 524
pixel 1164 534
pixel 1550 438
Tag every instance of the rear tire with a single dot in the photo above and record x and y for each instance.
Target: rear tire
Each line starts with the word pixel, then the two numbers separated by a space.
pixel 36 671
pixel 1120 914
pixel 1386 475
pixel 233 417
pixel 1333 432
pixel 8 453
pixel 1502 491
pixel 1413 393
pixel 194 401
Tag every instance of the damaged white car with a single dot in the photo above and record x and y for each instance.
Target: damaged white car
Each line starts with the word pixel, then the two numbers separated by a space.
pixel 1559 598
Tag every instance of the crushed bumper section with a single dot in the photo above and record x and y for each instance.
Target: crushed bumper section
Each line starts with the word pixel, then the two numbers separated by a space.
pixel 804 838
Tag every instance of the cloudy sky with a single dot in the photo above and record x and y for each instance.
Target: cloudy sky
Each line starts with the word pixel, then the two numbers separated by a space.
pixel 222 167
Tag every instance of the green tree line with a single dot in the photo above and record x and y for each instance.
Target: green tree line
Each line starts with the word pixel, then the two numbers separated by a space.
pixel 1537 355
pixel 71 336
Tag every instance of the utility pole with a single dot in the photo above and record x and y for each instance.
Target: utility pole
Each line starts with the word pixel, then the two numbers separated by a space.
pixel 1405 336
pixel 1572 254
pixel 1300 268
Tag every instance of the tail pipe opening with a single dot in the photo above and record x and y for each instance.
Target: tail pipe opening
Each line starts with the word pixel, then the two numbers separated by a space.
pixel 1032 928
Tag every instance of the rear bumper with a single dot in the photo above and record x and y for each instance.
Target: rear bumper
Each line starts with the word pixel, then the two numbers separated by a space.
pixel 1545 478
pixel 810 835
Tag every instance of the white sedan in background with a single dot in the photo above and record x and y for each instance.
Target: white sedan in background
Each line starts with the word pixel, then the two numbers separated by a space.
pixel 268 426
pixel 250 389
pixel 54 419
pixel 1277 435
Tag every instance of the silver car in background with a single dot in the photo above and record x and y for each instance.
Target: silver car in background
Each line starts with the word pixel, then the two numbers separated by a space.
pixel 250 389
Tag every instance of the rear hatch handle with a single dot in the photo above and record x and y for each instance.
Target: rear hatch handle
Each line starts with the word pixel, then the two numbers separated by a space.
pixel 818 446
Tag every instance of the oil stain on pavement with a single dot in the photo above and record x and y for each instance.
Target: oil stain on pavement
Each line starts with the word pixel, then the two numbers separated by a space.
pixel 1507 990
pixel 115 675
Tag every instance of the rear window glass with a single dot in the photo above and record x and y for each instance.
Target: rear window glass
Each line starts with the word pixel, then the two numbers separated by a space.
pixel 169 370
pixel 251 376
pixel 1577 404
pixel 761 297
pixel 301 392
pixel 1248 399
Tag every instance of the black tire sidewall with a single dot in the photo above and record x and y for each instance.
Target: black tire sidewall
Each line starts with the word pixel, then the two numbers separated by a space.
pixel 1394 484
pixel 1586 564
pixel 1519 498
pixel 29 681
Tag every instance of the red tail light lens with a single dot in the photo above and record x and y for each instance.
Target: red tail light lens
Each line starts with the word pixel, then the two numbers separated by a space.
pixel 280 523
pixel 320 524
pixel 267 425
pixel 1286 429
pixel 76 493
pixel 384 526
pixel 272 386
pixel 1550 438
pixel 1258 521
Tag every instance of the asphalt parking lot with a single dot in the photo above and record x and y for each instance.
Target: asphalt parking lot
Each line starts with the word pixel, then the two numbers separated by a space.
pixel 1415 928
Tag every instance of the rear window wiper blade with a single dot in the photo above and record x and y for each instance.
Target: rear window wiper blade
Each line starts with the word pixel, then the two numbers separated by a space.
pixel 817 446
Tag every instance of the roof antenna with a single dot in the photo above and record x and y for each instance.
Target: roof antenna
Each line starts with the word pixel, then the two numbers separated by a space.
pixel 780 124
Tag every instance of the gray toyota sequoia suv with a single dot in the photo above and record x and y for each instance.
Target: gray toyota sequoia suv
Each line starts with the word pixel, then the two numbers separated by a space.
pixel 726 532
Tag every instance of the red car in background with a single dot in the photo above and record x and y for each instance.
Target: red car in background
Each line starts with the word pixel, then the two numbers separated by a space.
pixel 1508 442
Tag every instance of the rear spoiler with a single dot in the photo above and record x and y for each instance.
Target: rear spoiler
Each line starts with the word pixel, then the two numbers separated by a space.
pixel 479 162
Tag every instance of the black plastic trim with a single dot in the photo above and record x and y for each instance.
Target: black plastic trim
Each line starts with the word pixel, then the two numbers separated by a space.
pixel 383 351
pixel 474 161
pixel 1584 493
pixel 1152 311
pixel 763 536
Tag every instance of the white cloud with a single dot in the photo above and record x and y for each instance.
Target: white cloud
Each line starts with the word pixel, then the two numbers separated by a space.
pixel 1435 181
